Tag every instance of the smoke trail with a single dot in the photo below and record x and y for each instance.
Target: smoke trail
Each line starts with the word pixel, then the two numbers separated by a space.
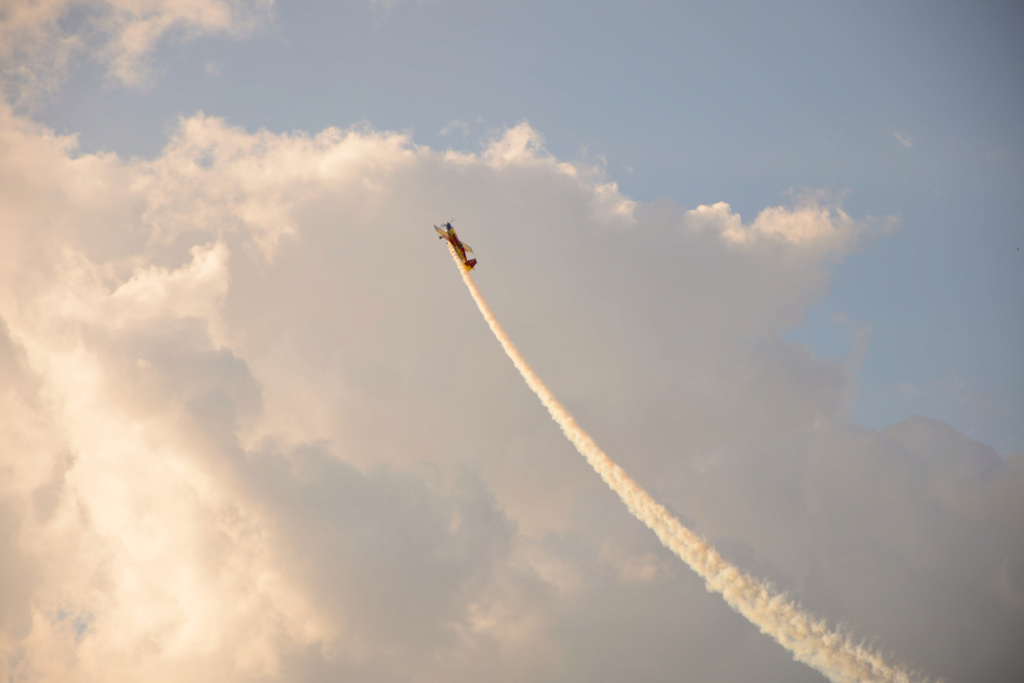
pixel 809 639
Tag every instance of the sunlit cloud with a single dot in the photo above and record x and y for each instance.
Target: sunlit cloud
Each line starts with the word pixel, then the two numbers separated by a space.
pixel 41 40
pixel 270 437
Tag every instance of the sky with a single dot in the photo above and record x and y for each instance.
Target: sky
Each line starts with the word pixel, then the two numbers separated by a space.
pixel 253 428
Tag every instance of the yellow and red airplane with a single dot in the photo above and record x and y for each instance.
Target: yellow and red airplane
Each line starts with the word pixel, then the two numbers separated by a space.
pixel 460 247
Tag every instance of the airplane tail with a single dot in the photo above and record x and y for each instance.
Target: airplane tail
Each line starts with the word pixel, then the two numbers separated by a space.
pixel 470 263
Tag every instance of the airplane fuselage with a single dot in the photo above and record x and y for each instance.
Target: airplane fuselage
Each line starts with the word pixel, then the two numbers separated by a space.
pixel 448 233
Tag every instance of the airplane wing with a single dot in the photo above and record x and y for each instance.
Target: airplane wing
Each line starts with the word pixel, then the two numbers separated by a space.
pixel 466 247
pixel 441 231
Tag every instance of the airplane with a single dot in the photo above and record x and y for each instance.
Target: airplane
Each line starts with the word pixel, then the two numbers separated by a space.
pixel 460 247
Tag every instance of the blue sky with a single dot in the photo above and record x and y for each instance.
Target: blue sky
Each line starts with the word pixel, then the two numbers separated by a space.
pixel 767 254
pixel 906 110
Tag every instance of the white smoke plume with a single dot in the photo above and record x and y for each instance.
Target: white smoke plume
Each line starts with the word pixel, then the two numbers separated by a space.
pixel 810 640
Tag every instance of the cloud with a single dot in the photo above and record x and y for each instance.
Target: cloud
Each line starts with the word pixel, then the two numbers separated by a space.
pixel 41 39
pixel 903 139
pixel 244 395
pixel 452 126
pixel 807 225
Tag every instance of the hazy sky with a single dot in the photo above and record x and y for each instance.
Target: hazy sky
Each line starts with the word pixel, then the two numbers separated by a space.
pixel 253 428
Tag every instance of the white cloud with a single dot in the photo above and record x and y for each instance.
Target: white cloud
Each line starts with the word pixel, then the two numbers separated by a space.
pixel 213 175
pixel 523 147
pixel 809 225
pixel 518 145
pixel 454 125
pixel 903 139
pixel 272 439
pixel 40 39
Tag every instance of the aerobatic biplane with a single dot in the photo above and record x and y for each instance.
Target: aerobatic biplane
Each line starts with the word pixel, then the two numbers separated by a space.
pixel 461 248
